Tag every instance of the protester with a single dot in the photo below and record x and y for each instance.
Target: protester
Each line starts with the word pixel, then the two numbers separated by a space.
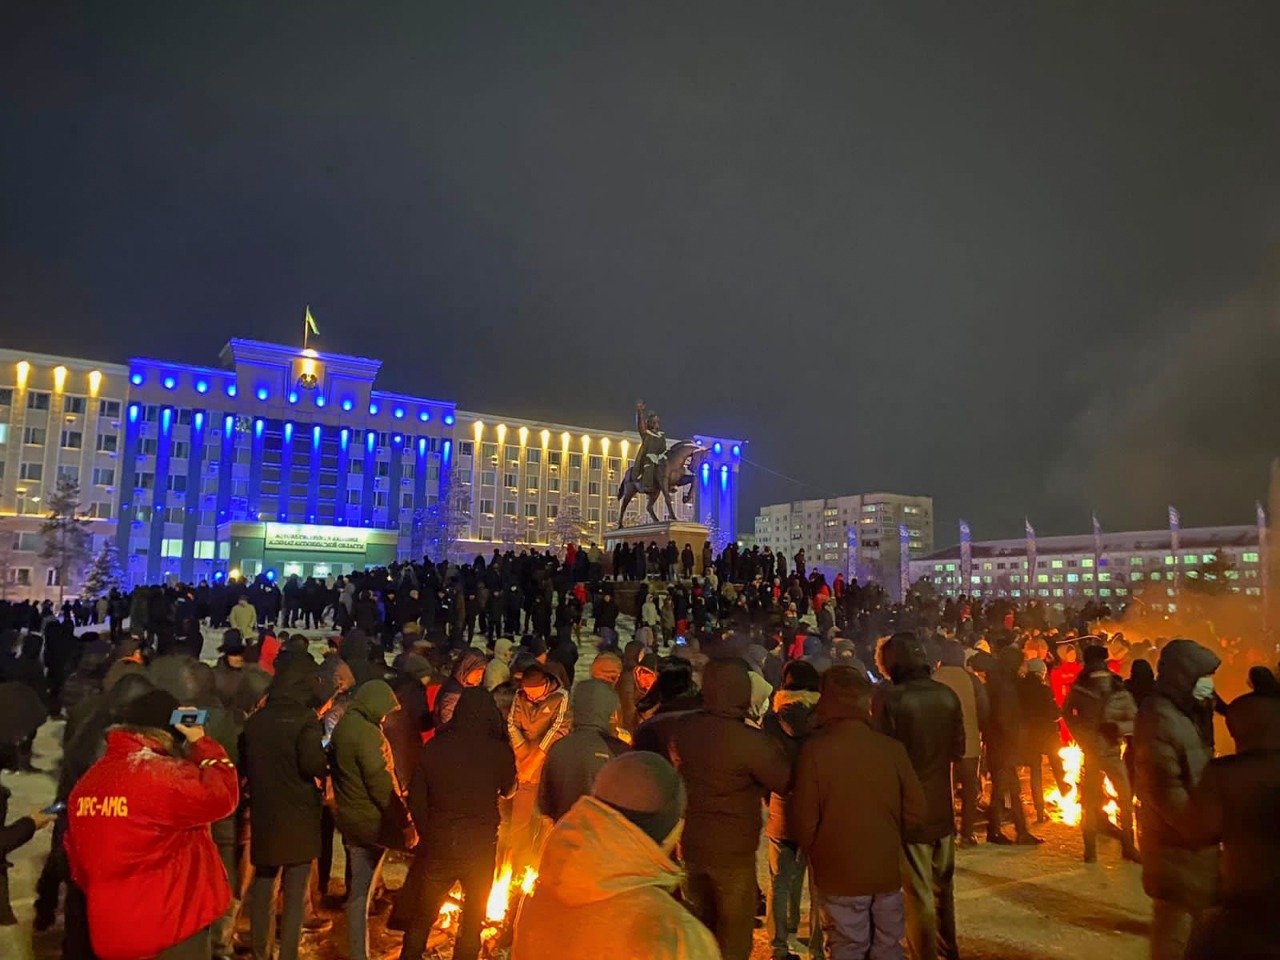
pixel 1040 734
pixel 728 768
pixel 975 709
pixel 1173 743
pixel 364 788
pixel 926 717
pixel 469 671
pixel 1003 749
pixel 1100 713
pixel 606 875
pixel 462 773
pixel 539 717
pixel 789 722
pixel 853 828
pixel 284 761
pixel 574 760
pixel 138 839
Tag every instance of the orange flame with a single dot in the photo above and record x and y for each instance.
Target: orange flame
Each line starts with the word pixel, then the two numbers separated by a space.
pixel 1067 808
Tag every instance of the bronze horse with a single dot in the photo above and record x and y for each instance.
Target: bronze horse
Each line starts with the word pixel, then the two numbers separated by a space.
pixel 675 470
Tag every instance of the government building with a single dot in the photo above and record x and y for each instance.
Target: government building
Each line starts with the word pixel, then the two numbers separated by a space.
pixel 287 461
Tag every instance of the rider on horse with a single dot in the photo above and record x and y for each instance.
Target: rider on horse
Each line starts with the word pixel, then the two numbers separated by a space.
pixel 652 448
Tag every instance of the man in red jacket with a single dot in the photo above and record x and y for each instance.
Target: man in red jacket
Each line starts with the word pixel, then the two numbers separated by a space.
pixel 138 836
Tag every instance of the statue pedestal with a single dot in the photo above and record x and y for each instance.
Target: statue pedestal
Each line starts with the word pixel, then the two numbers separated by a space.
pixel 681 531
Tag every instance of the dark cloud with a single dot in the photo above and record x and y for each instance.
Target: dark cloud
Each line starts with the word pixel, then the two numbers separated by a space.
pixel 898 246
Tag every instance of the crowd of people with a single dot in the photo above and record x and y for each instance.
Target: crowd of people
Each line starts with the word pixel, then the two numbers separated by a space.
pixel 437 713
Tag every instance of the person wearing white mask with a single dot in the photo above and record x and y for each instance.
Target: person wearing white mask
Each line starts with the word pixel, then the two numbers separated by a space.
pixel 1173 743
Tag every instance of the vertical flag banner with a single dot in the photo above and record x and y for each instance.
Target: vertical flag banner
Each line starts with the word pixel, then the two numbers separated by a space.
pixel 851 556
pixel 966 558
pixel 1175 544
pixel 1097 556
pixel 1031 558
pixel 904 560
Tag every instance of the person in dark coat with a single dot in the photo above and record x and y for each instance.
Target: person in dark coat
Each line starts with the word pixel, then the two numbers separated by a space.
pixel 404 727
pixel 1173 743
pixel 728 769
pixel 1041 740
pixel 462 773
pixel 284 761
pixel 629 693
pixel 12 836
pixel 229 670
pixel 1004 735
pixel 925 716
pixel 789 722
pixel 467 672
pixel 574 760
pixel 1235 804
pixel 1099 712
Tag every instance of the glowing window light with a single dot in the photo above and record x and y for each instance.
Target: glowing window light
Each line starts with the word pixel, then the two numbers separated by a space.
pixel 231 390
pixel 169 383
pixel 202 386
pixel 424 415
pixel 398 413
pixel 24 370
pixel 373 409
pixel 262 393
pixel 347 405
pixel 95 382
pixel 448 419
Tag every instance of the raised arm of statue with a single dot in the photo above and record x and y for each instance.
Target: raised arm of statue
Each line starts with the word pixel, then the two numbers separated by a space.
pixel 641 428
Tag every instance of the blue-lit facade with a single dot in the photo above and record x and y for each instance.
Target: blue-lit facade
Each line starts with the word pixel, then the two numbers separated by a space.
pixel 279 435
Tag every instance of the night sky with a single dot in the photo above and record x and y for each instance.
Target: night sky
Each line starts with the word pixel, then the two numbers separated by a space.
pixel 1022 257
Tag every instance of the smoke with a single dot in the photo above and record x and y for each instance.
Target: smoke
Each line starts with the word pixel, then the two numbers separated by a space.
pixel 1187 417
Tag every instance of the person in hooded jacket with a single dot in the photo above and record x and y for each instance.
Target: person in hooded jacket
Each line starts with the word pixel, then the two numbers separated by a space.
pixel 1235 804
pixel 458 780
pixel 574 760
pixel 926 717
pixel 364 787
pixel 606 875
pixel 789 722
pixel 1173 743
pixel 138 838
pixel 975 708
pixel 284 761
pixel 728 769
pixel 467 672
pixel 539 717
pixel 1100 712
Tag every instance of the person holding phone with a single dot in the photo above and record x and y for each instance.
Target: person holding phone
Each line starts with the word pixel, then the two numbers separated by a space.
pixel 154 793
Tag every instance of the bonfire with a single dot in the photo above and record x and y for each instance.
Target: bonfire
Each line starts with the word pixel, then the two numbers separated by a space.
pixel 1067 808
pixel 499 913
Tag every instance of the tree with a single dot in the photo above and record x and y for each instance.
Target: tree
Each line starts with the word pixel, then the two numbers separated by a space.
pixel 443 523
pixel 104 574
pixel 716 537
pixel 568 526
pixel 67 540
pixel 508 531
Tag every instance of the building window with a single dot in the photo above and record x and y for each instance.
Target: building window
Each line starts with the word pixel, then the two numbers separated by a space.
pixel 73 405
pixel 406 501
pixel 553 484
pixel 554 457
pixel 181 449
pixel 575 461
pixel 593 488
pixel 108 443
pixel 1249 557
pixel 531 510
pixel 486 507
pixel 553 510
pixel 36 400
pixel 28 542
pixel 6 396
pixel 531 483
pixel 465 448
pixel 109 409
pixel 30 471
pixel 508 508
pixel 72 439
pixel 533 455
pixel 34 436
pixel 593 515
pixel 510 481
pixel 177 483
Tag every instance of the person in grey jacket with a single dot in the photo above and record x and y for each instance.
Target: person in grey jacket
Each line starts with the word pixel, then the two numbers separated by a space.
pixel 573 762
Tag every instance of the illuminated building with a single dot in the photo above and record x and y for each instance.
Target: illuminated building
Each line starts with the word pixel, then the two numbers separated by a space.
pixel 196 471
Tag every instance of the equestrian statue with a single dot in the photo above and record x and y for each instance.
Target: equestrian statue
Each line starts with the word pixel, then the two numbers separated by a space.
pixel 657 470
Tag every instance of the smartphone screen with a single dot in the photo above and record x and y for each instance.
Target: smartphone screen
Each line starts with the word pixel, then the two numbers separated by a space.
pixel 54 809
pixel 188 718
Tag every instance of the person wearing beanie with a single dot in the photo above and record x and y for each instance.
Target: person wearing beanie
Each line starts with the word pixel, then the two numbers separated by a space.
pixel 854 829
pixel 573 761
pixel 156 801
pixel 1100 713
pixel 498 670
pixel 606 876
pixel 728 769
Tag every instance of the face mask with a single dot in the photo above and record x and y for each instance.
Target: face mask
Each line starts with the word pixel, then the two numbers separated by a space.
pixel 1203 689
